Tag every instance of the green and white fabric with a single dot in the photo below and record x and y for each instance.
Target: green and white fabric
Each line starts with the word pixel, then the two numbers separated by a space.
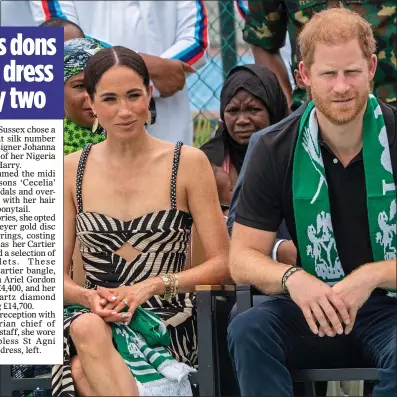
pixel 77 52
pixel 142 344
pixel 316 241
pixel 76 138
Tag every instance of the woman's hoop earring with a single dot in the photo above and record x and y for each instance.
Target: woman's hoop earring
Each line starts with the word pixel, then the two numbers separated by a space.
pixel 95 125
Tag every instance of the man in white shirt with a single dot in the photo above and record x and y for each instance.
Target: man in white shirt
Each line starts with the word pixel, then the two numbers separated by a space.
pixel 16 13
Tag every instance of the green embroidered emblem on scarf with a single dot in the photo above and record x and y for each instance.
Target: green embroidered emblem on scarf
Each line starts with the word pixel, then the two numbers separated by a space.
pixel 316 241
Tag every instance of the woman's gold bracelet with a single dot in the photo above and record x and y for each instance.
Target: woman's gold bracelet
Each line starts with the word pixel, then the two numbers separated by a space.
pixel 171 284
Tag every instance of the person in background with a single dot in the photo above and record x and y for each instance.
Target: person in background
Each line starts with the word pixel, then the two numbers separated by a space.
pixel 80 127
pixel 71 29
pixel 171 36
pixel 331 173
pixel 251 99
pixel 285 51
pixel 16 13
pixel 224 186
pixel 284 249
pixel 268 21
pixel 225 190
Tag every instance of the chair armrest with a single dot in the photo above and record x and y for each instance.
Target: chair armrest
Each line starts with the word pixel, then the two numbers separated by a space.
pixel 243 287
pixel 216 289
pixel 8 384
pixel 335 374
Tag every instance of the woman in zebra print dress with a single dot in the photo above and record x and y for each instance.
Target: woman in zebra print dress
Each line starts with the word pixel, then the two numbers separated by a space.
pixel 131 201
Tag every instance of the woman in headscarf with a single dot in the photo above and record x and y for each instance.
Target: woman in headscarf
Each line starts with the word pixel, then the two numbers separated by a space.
pixel 251 99
pixel 79 127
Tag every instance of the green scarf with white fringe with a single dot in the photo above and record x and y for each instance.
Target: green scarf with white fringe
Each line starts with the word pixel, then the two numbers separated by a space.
pixel 142 344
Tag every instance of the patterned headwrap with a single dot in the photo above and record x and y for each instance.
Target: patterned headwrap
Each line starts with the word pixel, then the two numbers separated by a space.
pixel 77 52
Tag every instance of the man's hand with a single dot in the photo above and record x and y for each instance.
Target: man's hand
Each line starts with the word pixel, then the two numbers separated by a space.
pixel 276 64
pixel 168 75
pixel 354 290
pixel 318 302
pixel 286 252
pixel 171 76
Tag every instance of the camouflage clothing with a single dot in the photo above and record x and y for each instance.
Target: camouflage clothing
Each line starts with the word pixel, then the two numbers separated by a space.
pixel 268 21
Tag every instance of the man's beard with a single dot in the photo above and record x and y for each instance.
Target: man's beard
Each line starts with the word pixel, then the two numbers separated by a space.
pixel 339 114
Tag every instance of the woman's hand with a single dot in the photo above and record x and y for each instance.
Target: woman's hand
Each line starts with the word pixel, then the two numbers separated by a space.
pixel 95 302
pixel 130 297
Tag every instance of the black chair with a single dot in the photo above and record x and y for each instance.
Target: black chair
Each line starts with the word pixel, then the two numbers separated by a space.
pixel 310 376
pixel 244 295
pixel 8 384
pixel 209 336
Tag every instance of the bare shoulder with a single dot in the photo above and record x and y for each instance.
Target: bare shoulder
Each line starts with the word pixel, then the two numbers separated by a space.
pixel 193 159
pixel 195 170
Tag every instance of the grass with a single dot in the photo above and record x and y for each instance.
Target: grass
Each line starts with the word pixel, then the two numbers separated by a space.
pixel 203 129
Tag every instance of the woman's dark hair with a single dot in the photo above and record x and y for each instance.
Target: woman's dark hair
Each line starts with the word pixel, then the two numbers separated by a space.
pixel 103 60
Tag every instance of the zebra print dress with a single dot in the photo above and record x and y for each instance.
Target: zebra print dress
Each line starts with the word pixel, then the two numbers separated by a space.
pixel 162 237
